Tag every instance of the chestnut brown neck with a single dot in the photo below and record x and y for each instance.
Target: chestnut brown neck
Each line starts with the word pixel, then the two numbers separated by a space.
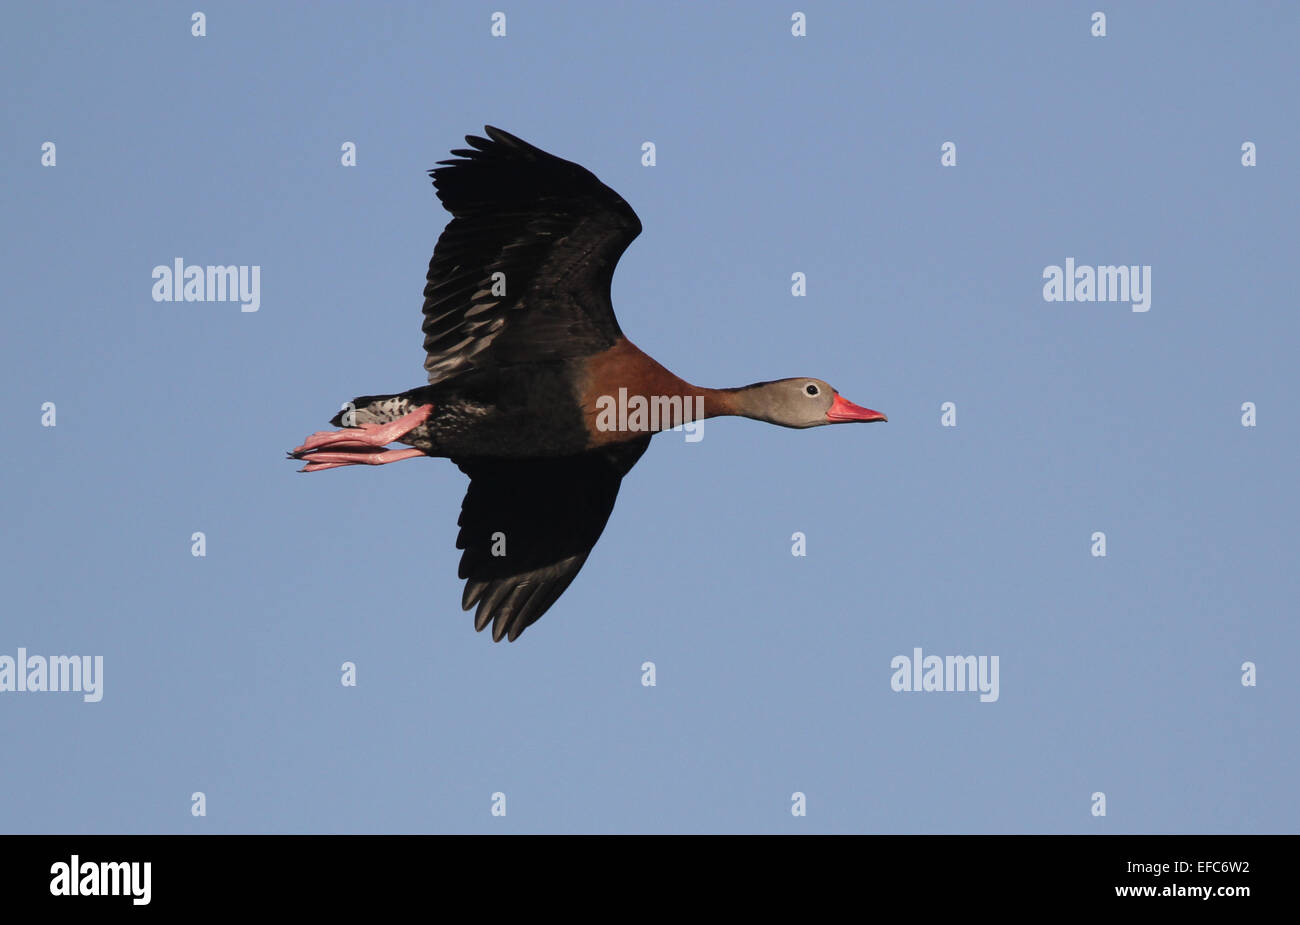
pixel 626 366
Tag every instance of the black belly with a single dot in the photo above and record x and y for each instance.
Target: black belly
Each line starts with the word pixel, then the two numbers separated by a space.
pixel 511 412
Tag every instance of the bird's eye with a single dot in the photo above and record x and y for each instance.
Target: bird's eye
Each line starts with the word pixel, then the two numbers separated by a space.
pixel 812 389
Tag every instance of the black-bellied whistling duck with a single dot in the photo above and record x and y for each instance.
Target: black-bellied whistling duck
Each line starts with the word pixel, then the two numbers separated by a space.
pixel 533 390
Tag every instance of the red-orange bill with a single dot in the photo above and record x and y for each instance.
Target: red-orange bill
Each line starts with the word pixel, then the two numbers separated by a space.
pixel 844 410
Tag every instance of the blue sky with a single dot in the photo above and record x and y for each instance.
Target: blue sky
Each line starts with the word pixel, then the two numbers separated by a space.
pixel 775 154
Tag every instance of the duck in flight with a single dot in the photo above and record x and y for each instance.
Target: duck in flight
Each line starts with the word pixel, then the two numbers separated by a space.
pixel 525 363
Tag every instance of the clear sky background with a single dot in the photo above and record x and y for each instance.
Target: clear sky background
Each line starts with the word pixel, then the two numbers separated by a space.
pixel 775 154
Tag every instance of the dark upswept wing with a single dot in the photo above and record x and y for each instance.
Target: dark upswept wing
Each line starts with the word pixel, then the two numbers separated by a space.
pixel 550 512
pixel 551 228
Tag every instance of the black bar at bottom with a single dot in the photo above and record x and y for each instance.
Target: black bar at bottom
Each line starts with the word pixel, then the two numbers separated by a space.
pixel 373 871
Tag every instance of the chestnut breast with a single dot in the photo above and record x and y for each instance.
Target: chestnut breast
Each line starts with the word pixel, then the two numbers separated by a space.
pixel 622 376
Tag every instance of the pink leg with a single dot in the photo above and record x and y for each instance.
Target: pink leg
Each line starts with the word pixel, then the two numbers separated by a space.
pixel 364 445
pixel 367 434
pixel 318 460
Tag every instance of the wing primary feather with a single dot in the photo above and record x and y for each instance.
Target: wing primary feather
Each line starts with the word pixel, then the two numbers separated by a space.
pixel 551 227
pixel 550 512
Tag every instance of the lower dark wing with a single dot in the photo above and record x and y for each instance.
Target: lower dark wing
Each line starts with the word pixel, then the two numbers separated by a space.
pixel 528 525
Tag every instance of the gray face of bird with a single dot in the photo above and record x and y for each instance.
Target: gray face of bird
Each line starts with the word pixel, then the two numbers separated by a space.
pixel 803 403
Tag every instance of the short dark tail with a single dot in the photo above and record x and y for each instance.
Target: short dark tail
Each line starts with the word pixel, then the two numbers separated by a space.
pixel 365 410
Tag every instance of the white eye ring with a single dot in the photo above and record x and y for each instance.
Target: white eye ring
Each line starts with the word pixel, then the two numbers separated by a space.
pixel 811 389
